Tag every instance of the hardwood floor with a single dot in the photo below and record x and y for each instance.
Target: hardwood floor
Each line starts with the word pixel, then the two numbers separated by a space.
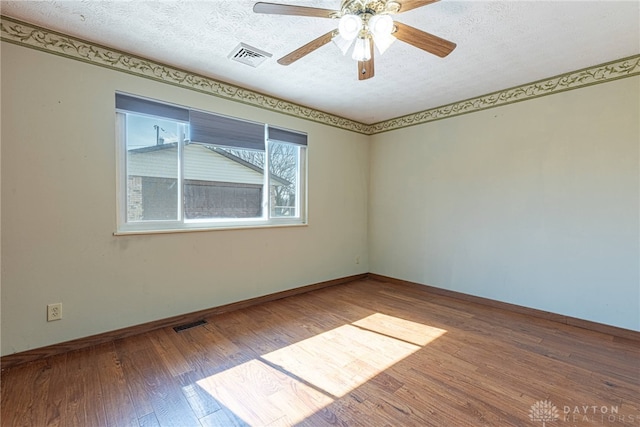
pixel 366 353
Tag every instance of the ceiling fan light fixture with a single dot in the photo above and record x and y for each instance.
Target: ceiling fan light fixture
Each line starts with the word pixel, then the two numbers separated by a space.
pixel 362 49
pixel 350 26
pixel 363 23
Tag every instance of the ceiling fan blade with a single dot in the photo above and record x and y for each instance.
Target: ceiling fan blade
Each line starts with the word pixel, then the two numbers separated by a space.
pixel 366 68
pixel 422 40
pixel 413 4
pixel 286 9
pixel 306 49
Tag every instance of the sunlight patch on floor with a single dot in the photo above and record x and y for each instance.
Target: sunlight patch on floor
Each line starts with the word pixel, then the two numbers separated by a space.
pixel 292 383
pixel 261 395
pixel 405 330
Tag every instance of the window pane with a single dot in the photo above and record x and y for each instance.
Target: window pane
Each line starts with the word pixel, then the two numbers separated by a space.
pixel 284 167
pixel 222 182
pixel 207 199
pixel 159 196
pixel 226 173
pixel 152 168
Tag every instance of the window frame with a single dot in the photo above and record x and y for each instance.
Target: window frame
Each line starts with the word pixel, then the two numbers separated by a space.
pixel 182 224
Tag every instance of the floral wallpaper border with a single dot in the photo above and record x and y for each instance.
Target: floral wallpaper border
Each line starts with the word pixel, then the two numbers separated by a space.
pixel 609 71
pixel 27 35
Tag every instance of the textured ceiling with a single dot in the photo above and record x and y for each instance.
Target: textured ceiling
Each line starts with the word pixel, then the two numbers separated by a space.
pixel 501 44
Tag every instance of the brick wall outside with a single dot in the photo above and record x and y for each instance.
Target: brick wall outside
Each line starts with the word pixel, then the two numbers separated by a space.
pixel 134 198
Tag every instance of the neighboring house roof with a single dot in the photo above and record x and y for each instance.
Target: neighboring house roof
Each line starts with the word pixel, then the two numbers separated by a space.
pixel 202 163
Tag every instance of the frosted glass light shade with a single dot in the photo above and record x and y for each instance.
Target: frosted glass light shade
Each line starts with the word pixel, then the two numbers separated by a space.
pixel 362 49
pixel 342 43
pixel 381 25
pixel 349 26
pixel 383 42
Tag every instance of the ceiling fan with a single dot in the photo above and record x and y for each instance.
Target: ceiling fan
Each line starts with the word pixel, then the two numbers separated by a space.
pixel 363 24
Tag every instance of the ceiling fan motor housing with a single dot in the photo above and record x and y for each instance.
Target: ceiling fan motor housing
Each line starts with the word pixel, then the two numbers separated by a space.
pixel 371 7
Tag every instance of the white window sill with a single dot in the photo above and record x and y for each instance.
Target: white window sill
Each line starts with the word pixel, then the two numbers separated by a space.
pixel 201 229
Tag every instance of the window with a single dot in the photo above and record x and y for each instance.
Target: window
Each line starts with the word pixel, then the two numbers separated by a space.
pixel 181 168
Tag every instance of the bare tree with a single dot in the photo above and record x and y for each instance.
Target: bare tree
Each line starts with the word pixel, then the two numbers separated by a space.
pixel 283 164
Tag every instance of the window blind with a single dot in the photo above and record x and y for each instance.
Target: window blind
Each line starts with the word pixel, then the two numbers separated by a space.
pixel 284 135
pixel 207 128
pixel 145 106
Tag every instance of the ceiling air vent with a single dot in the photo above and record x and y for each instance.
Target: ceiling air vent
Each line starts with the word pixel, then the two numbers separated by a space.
pixel 249 55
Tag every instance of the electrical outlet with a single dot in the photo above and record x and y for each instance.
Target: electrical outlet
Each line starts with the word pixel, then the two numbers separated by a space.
pixel 54 312
pixel 357 260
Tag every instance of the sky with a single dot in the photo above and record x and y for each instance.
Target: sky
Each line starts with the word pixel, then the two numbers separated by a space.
pixel 142 133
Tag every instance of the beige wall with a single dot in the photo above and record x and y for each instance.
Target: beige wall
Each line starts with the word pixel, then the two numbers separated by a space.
pixel 59 212
pixel 534 203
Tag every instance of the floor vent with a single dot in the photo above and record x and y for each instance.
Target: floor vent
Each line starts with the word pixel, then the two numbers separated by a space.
pixel 189 325
pixel 249 55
